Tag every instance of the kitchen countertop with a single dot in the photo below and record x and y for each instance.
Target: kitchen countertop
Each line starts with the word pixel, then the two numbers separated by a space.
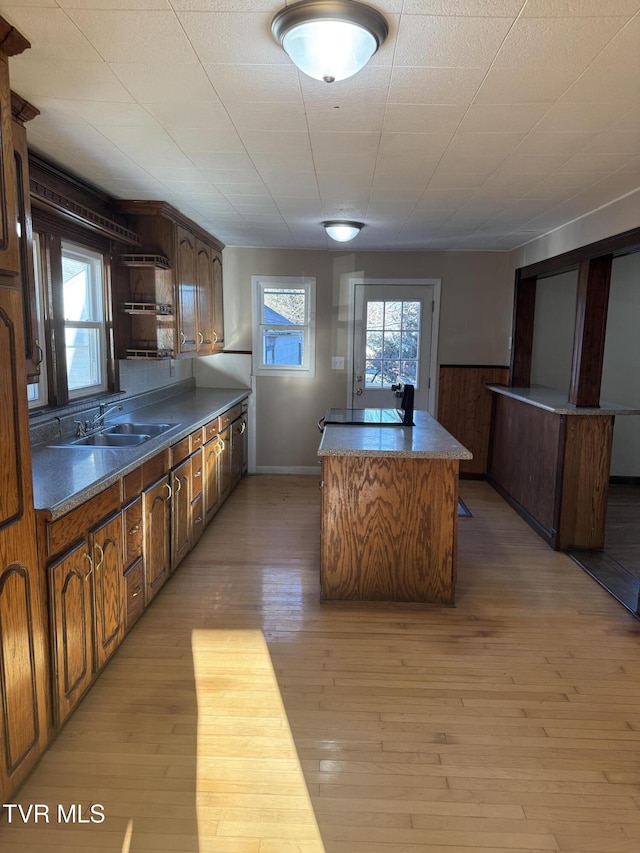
pixel 65 477
pixel 427 439
pixel 553 400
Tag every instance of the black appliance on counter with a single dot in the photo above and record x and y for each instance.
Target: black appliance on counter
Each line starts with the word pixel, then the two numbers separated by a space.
pixel 401 416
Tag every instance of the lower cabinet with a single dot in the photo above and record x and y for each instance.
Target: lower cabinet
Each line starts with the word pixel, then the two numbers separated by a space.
pixel 107 558
pixel 87 611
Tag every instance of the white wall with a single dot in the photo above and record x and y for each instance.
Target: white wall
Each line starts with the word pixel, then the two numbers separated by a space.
pixel 553 331
pixel 475 325
pixel 621 372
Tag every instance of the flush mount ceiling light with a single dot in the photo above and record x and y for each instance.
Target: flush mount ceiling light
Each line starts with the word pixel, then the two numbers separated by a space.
pixel 329 39
pixel 342 231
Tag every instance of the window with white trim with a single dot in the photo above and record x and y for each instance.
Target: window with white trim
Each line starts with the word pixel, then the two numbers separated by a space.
pixel 84 320
pixel 284 325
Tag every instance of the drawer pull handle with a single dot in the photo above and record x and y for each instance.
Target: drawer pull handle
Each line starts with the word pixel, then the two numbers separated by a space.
pixel 90 572
pixel 134 529
pixel 137 592
pixel 198 520
pixel 197 474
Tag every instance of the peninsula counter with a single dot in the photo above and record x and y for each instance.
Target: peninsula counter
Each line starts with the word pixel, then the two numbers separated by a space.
pixel 389 512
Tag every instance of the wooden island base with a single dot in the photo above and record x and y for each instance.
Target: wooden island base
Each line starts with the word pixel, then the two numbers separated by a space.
pixel 389 528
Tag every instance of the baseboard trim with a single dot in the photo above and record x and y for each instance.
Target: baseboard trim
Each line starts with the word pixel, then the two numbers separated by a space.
pixel 615 480
pixel 286 469
pixel 549 536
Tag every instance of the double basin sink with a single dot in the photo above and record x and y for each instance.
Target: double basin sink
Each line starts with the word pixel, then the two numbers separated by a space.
pixel 118 435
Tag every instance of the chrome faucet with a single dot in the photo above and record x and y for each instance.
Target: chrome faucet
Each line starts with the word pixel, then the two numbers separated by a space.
pixel 97 423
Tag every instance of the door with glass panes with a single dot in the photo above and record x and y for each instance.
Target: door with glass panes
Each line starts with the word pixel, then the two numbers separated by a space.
pixel 392 342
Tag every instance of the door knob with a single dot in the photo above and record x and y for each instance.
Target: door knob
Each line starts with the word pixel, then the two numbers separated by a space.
pixel 358 392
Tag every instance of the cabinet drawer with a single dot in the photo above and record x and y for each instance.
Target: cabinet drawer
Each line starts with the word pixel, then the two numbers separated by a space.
pixel 134 580
pixel 229 417
pixel 210 430
pixel 131 485
pixel 63 532
pixel 133 531
pixel 196 439
pixel 180 451
pixel 155 468
pixel 197 519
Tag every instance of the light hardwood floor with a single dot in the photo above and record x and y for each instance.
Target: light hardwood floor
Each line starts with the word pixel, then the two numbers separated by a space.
pixel 508 723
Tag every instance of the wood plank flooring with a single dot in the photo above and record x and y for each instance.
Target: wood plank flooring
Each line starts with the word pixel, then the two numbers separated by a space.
pixel 509 723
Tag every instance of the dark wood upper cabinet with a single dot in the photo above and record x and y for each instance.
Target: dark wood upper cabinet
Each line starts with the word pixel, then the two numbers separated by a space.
pixel 194 263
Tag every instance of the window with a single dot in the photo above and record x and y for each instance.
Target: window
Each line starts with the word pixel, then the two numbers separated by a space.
pixel 72 295
pixel 84 326
pixel 284 325
pixel 392 343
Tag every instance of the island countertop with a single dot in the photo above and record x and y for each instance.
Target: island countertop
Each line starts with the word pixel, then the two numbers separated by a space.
pixel 427 439
pixel 554 400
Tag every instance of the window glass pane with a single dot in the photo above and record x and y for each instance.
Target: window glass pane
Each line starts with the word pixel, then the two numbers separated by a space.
pixel 283 347
pixel 79 304
pixel 373 373
pixel 32 393
pixel 393 315
pixel 375 315
pixel 409 344
pixel 409 372
pixel 374 344
pixel 284 305
pixel 410 315
pixel 392 344
pixel 83 363
pixel 390 373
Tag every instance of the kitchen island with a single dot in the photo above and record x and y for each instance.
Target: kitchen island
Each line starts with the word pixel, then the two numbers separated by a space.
pixel 389 515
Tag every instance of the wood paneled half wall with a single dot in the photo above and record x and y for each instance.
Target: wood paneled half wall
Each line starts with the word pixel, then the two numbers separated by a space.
pixel 464 409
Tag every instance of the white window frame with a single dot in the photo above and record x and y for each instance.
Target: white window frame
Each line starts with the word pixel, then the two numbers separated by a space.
pixel 260 283
pixel 96 260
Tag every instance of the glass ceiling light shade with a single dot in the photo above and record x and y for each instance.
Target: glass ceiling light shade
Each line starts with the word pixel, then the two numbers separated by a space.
pixel 342 231
pixel 329 39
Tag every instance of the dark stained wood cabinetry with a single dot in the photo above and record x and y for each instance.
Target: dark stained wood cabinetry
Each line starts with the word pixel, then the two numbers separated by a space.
pixel 195 261
pixel 24 681
pixel 108 588
pixel 180 512
pixel 156 513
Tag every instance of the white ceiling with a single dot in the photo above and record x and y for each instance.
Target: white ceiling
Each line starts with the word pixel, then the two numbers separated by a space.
pixel 479 124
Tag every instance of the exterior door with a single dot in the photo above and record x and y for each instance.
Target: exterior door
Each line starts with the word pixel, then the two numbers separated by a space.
pixel 392 342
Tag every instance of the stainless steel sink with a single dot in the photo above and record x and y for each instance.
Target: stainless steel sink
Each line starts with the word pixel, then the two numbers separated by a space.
pixel 103 440
pixel 136 429
pixel 118 435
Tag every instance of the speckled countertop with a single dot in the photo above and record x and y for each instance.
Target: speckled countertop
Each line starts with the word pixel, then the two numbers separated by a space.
pixel 64 477
pixel 553 400
pixel 427 439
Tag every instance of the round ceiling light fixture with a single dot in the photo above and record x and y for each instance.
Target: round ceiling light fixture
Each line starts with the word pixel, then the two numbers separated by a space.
pixel 329 39
pixel 342 230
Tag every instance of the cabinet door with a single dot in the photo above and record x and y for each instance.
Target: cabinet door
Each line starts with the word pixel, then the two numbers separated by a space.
pixel 156 511
pixel 218 312
pixel 180 512
pixel 205 307
pixel 108 587
pixel 33 349
pixel 9 260
pixel 186 291
pixel 70 602
pixel 212 451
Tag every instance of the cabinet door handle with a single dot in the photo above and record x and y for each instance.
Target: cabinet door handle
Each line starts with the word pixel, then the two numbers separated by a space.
pixel 168 487
pixel 197 474
pixel 183 337
pixel 243 427
pixel 177 485
pixel 201 336
pixel 198 520
pixel 36 346
pixel 101 560
pixel 90 572
pixel 134 529
pixel 215 337
pixel 137 592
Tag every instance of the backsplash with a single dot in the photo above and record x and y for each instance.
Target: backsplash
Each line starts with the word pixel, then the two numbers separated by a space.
pixel 136 377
